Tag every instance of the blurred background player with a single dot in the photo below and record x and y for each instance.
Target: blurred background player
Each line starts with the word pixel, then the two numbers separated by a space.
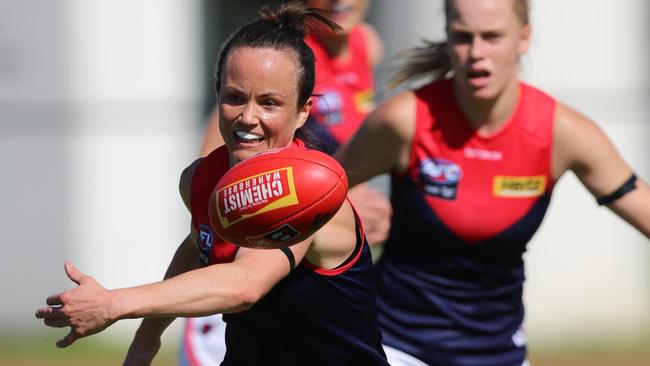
pixel 344 89
pixel 345 63
pixel 311 304
pixel 474 156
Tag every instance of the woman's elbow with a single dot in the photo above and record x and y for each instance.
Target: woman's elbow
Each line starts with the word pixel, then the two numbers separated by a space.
pixel 244 297
pixel 249 297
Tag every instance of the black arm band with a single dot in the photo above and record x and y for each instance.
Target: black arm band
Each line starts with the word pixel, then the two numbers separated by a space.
pixel 626 188
pixel 289 254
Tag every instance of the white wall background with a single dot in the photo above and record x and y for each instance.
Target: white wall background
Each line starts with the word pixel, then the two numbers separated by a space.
pixel 100 106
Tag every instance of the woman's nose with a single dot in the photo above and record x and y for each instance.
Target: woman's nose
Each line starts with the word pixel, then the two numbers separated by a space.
pixel 249 114
pixel 476 48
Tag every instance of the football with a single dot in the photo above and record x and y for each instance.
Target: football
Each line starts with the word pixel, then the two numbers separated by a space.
pixel 277 198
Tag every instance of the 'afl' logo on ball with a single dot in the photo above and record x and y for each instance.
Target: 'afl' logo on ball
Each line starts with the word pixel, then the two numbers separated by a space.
pixel 440 177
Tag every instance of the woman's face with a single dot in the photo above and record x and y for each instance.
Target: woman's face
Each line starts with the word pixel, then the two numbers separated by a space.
pixel 486 39
pixel 258 101
pixel 346 13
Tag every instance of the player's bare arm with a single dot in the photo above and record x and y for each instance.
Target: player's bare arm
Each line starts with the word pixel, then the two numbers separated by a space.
pixel 582 147
pixel 383 142
pixel 89 308
pixel 335 241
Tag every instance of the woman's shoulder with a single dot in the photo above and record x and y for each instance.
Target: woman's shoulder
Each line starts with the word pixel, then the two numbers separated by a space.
pixel 372 41
pixel 202 171
pixel 536 94
pixel 570 127
pixel 185 184
pixel 570 121
pixel 395 114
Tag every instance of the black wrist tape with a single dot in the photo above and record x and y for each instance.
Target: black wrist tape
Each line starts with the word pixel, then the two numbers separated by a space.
pixel 290 257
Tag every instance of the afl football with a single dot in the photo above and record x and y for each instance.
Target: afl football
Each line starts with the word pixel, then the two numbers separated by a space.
pixel 277 198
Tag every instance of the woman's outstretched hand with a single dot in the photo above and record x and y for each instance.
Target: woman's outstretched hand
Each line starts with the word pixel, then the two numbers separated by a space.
pixel 86 309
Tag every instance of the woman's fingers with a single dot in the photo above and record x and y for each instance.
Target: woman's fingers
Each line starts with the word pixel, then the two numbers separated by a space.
pixel 51 312
pixel 68 339
pixel 56 322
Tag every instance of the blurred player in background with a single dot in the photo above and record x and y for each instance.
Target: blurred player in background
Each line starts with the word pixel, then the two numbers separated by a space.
pixel 310 304
pixel 474 155
pixel 345 62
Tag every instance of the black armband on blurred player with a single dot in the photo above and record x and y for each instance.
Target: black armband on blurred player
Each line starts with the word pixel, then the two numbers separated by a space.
pixel 290 257
pixel 626 188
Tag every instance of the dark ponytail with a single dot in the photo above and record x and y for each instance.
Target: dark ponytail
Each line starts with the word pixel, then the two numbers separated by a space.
pixel 280 28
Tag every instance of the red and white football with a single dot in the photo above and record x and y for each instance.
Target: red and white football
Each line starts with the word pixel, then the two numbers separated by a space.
pixel 277 198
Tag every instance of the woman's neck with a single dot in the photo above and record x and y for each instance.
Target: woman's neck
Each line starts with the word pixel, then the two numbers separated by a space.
pixel 488 116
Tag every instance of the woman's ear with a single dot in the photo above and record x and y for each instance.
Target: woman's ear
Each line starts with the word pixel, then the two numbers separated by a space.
pixel 304 113
pixel 524 40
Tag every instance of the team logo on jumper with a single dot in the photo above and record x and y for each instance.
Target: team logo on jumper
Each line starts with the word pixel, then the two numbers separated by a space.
pixel 509 186
pixel 256 195
pixel 206 241
pixel 440 177
pixel 329 108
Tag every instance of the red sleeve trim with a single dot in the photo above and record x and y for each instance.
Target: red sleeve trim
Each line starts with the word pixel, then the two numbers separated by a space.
pixel 361 241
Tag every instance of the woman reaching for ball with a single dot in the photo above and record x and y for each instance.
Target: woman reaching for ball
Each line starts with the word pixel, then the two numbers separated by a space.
pixel 309 304
pixel 345 60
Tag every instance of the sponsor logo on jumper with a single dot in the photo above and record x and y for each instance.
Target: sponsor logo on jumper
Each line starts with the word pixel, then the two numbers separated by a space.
pixel 277 236
pixel 349 77
pixel 364 101
pixel 482 154
pixel 205 242
pixel 255 195
pixel 528 186
pixel 440 177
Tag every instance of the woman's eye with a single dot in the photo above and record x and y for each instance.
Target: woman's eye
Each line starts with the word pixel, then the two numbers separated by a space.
pixel 491 36
pixel 232 99
pixel 461 38
pixel 270 103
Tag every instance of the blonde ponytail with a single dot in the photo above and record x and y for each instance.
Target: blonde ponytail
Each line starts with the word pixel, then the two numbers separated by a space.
pixel 426 63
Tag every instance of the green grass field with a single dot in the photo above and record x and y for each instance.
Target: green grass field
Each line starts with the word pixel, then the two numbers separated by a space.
pixel 99 352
